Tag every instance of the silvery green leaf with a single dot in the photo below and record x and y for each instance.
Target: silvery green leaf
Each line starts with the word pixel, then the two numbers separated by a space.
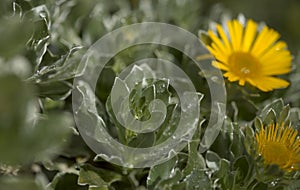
pixel 242 167
pixel 97 177
pixel 224 175
pixel 270 117
pixel 205 39
pixel 59 90
pixel 258 124
pixel 195 159
pixel 249 140
pixel 284 114
pixel 277 105
pixel 212 160
pixel 160 172
pixel 198 180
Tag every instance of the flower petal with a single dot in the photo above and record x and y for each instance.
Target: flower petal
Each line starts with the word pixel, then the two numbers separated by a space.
pixel 267 83
pixel 250 32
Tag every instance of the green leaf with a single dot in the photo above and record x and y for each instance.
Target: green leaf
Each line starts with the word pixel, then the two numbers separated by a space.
pixel 195 159
pixel 205 39
pixel 55 90
pixel 270 117
pixel 143 140
pixel 49 104
pixel 258 124
pixel 105 83
pixel 198 180
pixel 294 116
pixel 58 127
pixel 64 68
pixel 212 160
pixel 160 172
pixel 77 148
pixel 284 114
pixel 224 140
pixel 224 175
pixel 169 125
pixel 97 177
pixel 65 181
pixel 39 17
pixel 276 106
pixel 236 146
pixel 249 140
pixel 241 165
pixel 172 181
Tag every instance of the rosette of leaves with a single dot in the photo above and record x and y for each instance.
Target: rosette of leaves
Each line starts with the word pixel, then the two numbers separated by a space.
pixel 183 171
pixel 147 89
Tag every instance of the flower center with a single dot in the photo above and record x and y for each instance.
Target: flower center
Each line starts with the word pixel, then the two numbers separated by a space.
pixel 243 64
pixel 275 153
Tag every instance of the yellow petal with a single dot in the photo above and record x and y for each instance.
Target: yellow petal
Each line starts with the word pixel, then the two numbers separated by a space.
pixel 231 77
pixel 224 38
pixel 232 35
pixel 264 40
pixel 219 56
pixel 235 31
pixel 219 45
pixel 250 33
pixel 238 28
pixel 266 83
pixel 275 50
pixel 220 65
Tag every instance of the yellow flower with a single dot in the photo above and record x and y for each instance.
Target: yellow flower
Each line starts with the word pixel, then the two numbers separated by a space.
pixel 249 55
pixel 279 145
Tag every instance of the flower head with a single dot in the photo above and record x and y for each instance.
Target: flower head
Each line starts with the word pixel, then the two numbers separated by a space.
pixel 247 54
pixel 279 145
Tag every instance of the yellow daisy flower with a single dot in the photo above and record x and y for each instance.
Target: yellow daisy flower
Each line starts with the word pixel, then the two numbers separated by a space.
pixel 249 55
pixel 279 145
